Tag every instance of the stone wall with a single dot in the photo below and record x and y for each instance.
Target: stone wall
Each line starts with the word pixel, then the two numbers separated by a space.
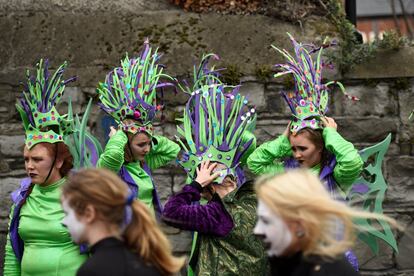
pixel 94 44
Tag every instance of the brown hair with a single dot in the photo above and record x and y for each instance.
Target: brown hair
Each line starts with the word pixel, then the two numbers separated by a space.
pixel 63 154
pixel 107 193
pixel 316 137
pixel 128 156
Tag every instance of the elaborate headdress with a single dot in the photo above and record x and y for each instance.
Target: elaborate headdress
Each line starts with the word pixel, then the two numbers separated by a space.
pixel 129 91
pixel 214 123
pixel 83 146
pixel 309 100
pixel 37 106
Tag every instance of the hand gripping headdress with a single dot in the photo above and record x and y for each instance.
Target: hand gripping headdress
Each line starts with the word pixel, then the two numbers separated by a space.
pixel 309 99
pixel 214 123
pixel 37 106
pixel 129 91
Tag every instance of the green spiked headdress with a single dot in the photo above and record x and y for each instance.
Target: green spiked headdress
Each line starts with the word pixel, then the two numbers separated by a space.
pixel 214 122
pixel 309 100
pixel 129 91
pixel 37 106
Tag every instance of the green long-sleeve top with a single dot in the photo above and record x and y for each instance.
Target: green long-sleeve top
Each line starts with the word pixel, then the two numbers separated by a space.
pixel 268 158
pixel 48 248
pixel 163 151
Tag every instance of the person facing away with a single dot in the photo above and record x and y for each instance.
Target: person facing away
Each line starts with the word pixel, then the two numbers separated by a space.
pixel 297 221
pixel 122 234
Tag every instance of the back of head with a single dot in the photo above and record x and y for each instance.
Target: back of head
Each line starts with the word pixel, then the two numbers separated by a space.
pixel 108 194
pixel 100 188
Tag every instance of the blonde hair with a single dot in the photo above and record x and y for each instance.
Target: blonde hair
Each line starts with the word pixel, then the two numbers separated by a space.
pixel 108 194
pixel 299 196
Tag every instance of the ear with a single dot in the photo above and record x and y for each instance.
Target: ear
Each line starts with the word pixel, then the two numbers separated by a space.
pixel 296 227
pixel 89 214
pixel 58 163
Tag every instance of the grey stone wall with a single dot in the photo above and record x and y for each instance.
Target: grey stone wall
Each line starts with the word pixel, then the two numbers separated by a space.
pixel 93 38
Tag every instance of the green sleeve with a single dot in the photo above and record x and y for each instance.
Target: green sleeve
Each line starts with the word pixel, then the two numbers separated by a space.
pixel 11 264
pixel 349 163
pixel 163 151
pixel 113 156
pixel 247 136
pixel 267 157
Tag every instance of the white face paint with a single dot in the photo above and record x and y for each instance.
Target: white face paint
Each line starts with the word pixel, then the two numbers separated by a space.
pixel 70 221
pixel 273 230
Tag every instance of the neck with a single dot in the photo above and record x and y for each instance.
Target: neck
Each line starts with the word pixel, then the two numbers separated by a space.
pixel 53 178
pixel 100 231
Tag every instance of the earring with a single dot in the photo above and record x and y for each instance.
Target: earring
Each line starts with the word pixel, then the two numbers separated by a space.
pixel 300 233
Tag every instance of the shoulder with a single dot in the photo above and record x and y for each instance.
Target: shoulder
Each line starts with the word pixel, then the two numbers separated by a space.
pixel 19 194
pixel 338 266
pixel 136 266
pixel 246 191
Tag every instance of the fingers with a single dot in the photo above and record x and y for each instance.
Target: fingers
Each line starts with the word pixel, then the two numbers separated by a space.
pixel 214 176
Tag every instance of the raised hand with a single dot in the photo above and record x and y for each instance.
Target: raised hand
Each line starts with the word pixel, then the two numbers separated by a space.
pixel 329 122
pixel 204 176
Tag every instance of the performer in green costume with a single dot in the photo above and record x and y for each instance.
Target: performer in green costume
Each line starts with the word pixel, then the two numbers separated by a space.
pixel 133 151
pixel 312 141
pixel 38 244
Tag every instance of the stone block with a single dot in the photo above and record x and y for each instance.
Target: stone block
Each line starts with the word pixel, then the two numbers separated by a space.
pixel 400 176
pixel 369 261
pixel 3 239
pixel 406 104
pixel 398 65
pixel 406 249
pixel 163 183
pixel 11 128
pixel 8 185
pixel 267 130
pixel 366 129
pixel 12 146
pixel 275 102
pixel 179 182
pixel 255 94
pixel 376 101
pixel 77 98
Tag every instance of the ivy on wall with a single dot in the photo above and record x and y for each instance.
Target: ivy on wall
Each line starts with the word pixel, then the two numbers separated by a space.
pixel 351 50
pixel 218 5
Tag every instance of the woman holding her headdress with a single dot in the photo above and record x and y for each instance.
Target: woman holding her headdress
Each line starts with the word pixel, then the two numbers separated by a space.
pixel 37 243
pixel 133 150
pixel 311 139
pixel 121 232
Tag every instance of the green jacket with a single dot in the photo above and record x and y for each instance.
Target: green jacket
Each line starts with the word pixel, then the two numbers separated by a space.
pixel 270 158
pixel 48 247
pixel 137 174
pixel 227 255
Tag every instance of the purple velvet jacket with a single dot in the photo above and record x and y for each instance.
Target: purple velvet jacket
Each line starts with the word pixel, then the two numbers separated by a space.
pixel 180 211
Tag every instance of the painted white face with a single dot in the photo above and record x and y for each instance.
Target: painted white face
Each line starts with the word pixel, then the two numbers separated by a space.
pixel 70 221
pixel 273 230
